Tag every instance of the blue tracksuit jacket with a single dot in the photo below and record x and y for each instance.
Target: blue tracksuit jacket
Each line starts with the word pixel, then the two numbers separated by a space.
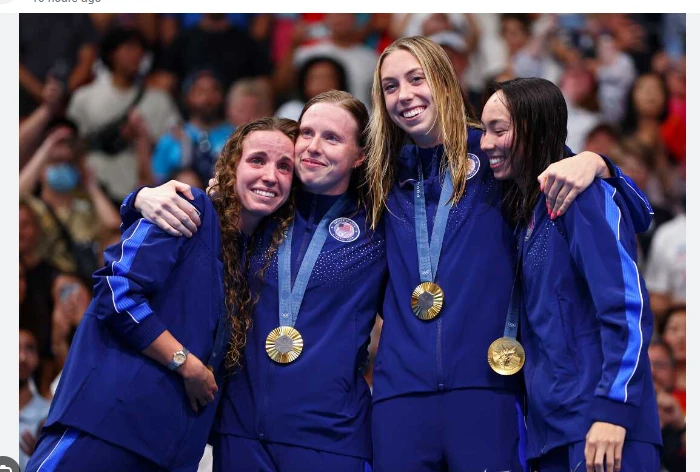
pixel 321 400
pixel 151 282
pixel 586 324
pixel 476 272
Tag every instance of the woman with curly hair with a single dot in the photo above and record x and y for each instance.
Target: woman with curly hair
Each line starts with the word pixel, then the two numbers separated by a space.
pixel 163 308
pixel 300 401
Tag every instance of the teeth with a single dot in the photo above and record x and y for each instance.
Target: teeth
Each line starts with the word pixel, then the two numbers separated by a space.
pixel 496 161
pixel 263 193
pixel 413 112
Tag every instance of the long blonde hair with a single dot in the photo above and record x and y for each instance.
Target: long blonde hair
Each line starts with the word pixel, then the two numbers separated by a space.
pixel 386 138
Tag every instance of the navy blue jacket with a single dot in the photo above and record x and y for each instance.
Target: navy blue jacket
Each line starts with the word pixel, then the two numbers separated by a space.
pixel 151 282
pixel 586 324
pixel 476 272
pixel 320 400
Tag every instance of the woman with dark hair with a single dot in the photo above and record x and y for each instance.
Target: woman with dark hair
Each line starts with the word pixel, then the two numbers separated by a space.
pixel 319 74
pixel 164 306
pixel 586 321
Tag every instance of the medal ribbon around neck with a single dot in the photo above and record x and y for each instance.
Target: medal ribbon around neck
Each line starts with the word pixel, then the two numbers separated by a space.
pixel 427 298
pixel 506 355
pixel 284 344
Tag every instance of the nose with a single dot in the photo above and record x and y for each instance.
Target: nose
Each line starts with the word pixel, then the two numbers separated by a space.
pixel 405 92
pixel 486 143
pixel 313 146
pixel 269 176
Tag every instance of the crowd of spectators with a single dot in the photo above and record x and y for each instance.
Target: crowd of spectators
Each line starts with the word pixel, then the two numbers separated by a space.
pixel 111 102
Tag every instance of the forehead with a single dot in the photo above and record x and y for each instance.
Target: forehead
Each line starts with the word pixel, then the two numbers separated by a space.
pixel 398 63
pixel 329 116
pixel 270 142
pixel 495 109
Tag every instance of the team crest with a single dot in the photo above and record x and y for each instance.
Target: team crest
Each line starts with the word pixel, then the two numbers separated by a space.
pixel 344 230
pixel 474 164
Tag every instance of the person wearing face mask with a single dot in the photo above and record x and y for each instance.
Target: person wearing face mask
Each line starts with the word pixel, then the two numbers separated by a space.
pixel 71 205
pixel 139 389
pixel 305 405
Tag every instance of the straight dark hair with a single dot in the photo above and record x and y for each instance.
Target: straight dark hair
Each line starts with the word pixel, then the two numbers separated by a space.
pixel 538 116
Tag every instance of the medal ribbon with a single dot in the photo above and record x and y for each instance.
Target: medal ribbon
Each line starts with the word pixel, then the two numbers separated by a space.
pixel 511 328
pixel 290 299
pixel 429 250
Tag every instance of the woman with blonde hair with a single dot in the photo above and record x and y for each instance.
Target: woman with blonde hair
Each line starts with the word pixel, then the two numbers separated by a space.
pixel 443 398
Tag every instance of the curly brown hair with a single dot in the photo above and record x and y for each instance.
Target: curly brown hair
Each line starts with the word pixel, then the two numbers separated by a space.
pixel 239 300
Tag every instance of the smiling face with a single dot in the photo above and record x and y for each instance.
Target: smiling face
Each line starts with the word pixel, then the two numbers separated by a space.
pixel 497 139
pixel 408 98
pixel 263 175
pixel 327 149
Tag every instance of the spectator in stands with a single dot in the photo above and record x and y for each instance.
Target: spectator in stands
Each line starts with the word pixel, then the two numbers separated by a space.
pixel 120 118
pixel 63 46
pixel 247 100
pixel 33 127
pixel 603 139
pixel 457 50
pixel 579 87
pixel 198 142
pixel 343 45
pixel 665 270
pixel 317 75
pixel 671 404
pixel 527 43
pixel 71 205
pixel 672 329
pixel 213 43
pixel 33 408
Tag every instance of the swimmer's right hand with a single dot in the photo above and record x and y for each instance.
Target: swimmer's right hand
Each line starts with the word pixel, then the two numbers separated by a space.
pixel 163 207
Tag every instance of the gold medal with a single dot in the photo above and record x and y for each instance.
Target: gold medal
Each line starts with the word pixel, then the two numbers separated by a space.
pixel 284 344
pixel 506 356
pixel 427 300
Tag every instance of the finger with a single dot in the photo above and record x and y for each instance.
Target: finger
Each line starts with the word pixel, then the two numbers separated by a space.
pixel 26 449
pixel 184 189
pixel 610 458
pixel 566 190
pixel 191 213
pixel 599 458
pixel 589 454
pixel 553 191
pixel 165 226
pixel 174 217
pixel 193 402
pixel 618 458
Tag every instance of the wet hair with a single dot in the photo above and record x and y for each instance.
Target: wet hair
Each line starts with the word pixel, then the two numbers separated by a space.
pixel 240 302
pixel 538 117
pixel 453 118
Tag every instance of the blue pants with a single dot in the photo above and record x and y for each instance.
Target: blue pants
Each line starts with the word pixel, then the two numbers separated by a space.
pixel 466 430
pixel 636 457
pixel 71 450
pixel 237 454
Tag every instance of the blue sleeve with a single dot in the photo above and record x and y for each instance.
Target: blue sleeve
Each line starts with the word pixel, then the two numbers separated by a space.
pixel 136 270
pixel 603 246
pixel 636 203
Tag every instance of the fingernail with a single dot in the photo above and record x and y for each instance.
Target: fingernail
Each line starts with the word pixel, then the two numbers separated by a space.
pixel 549 212
pixel 558 213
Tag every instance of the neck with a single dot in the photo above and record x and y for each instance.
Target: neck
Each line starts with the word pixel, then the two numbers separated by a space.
pixel 25 395
pixel 248 222
pixel 330 193
pixel 121 81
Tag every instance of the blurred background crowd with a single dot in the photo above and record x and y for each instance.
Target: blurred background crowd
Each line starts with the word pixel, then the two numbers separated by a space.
pixel 111 102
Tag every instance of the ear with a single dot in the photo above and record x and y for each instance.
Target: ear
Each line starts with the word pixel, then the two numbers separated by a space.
pixel 362 157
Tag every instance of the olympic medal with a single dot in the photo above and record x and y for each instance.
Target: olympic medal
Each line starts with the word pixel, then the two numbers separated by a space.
pixel 506 356
pixel 284 344
pixel 427 300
